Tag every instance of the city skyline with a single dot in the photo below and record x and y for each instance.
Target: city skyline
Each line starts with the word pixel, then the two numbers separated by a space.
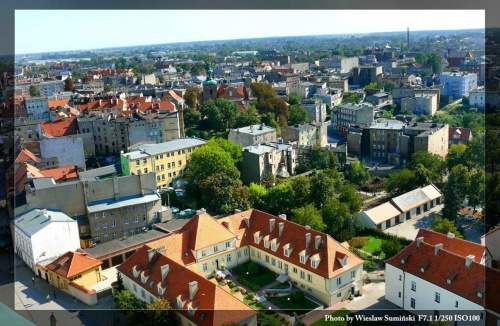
pixel 190 26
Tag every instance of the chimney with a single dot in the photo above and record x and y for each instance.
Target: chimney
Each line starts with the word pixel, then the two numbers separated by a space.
pixel 307 227
pixel 317 241
pixel 450 235
pixel 151 254
pixel 282 216
pixel 468 260
pixel 236 211
pixel 49 217
pixel 201 212
pixel 419 241
pixel 272 223
pixel 247 221
pixel 100 102
pixel 164 271
pixel 193 287
pixel 308 239
pixel 437 247
pixel 251 128
pixel 281 228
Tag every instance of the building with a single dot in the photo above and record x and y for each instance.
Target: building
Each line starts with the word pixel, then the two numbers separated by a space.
pixel 363 76
pixel 427 137
pixel 313 261
pixel 37 108
pixel 306 134
pixel 167 160
pixel 477 98
pixel 442 274
pixel 209 85
pixel 342 64
pixel 238 94
pixel 303 90
pixel 426 104
pixel 46 88
pixel 316 110
pixel 43 234
pixel 459 136
pixel 329 96
pixel 352 114
pixel 473 66
pixel 380 99
pixel 384 139
pixel 275 158
pixel 252 135
pixel 68 150
pixel 397 79
pixel 491 241
pixel 401 208
pixel 401 92
pixel 74 273
pixel 60 126
pixel 457 84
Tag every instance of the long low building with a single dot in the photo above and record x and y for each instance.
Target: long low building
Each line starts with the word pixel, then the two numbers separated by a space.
pixel 402 208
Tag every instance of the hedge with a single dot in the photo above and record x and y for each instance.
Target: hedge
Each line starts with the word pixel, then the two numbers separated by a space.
pixel 248 284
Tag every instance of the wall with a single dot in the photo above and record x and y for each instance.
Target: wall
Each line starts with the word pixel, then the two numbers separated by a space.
pixel 69 151
pixel 251 167
pixel 248 139
pixel 89 299
pixel 57 198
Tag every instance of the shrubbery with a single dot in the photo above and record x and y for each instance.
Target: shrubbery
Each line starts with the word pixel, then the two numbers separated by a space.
pixel 253 268
pixel 370 266
pixel 248 284
pixel 358 242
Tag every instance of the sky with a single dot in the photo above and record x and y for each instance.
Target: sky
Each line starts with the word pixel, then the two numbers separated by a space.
pixel 62 30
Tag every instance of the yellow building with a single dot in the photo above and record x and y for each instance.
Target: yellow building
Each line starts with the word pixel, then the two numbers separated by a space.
pixel 76 268
pixel 168 160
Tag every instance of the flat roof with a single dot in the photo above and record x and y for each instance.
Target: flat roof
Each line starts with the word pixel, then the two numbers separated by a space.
pixel 265 148
pixel 146 150
pixel 255 129
pixel 393 125
pixel 112 203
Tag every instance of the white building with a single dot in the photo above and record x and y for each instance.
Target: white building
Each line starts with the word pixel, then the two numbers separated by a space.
pixel 477 98
pixel 42 234
pixel 441 274
pixel 37 108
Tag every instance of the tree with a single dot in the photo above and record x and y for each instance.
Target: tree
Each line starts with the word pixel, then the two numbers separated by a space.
pixel 391 247
pixel 457 154
pixel 279 199
pixel 308 215
pixel 432 162
pixel 476 188
pixel 34 91
pixel 268 120
pixel 476 151
pixel 302 189
pixel 454 192
pixel 218 193
pixel 229 147
pixel 357 173
pixel 323 188
pixel 158 313
pixel 262 92
pixel 333 162
pixel 400 183
pixel 246 118
pixel 298 115
pixel 375 85
pixel 350 197
pixel 277 107
pixel 107 88
pixel 353 98
pixel 192 97
pixel 334 212
pixel 257 195
pixel 318 158
pixel 268 180
pixel 191 119
pixel 125 300
pixel 389 86
pixel 220 114
pixel 422 118
pixel 69 86
pixel 445 226
pixel 119 282
pixel 293 99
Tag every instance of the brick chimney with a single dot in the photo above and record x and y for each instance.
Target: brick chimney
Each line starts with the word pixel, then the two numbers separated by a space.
pixel 308 239
pixel 468 260
pixel 193 287
pixel 437 247
pixel 419 241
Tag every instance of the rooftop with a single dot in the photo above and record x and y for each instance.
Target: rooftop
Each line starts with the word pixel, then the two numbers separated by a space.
pixel 72 264
pixel 34 220
pixel 146 150
pixel 111 203
pixel 255 129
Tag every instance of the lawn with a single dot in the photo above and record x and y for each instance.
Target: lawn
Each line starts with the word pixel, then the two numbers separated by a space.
pixel 342 313
pixel 261 279
pixel 272 316
pixel 372 245
pixel 252 303
pixel 299 307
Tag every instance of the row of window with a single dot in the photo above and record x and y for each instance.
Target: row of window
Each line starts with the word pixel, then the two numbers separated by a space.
pixel 125 210
pixel 170 175
pixel 114 235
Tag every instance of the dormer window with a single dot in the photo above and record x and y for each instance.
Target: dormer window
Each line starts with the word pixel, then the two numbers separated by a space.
pixel 136 271
pixel 302 259
pixel 266 243
pixel 286 252
pixel 144 278
pixel 256 239
pixel 314 263
pixel 273 246
pixel 479 294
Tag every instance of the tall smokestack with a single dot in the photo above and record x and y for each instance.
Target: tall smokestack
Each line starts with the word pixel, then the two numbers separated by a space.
pixel 408 38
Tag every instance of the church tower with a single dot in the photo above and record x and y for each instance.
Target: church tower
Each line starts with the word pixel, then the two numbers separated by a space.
pixel 209 85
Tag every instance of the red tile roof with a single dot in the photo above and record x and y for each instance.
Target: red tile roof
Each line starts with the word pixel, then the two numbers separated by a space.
pixel 67 172
pixel 55 104
pixel 465 133
pixel 24 172
pixel 173 95
pixel 25 156
pixel 457 246
pixel 214 305
pixel 465 280
pixel 73 263
pixel 205 231
pixel 66 127
pixel 232 93
pixel 102 105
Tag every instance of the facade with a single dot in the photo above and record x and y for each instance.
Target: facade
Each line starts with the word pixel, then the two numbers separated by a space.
pixel 42 234
pixel 477 98
pixel 401 208
pixel 275 158
pixel 459 136
pixel 46 88
pixel 332 96
pixel 252 135
pixel 457 84
pixel 363 76
pixel 37 108
pixel 167 160
pixel 303 89
pixel 440 273
pixel 342 64
pixel 310 134
pixel 419 104
pixel 474 66
pixel 351 114
pixel 68 150
pixel 427 137
pixel 401 92
pixel 384 139
pixel 316 110
pixel 491 241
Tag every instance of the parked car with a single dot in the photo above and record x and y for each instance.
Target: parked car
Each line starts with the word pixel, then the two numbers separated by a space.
pixel 469 217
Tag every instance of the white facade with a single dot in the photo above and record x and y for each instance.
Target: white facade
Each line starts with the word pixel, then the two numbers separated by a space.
pixel 413 294
pixel 37 108
pixel 477 98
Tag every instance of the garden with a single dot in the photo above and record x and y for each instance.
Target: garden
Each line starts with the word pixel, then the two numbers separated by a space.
pixel 254 276
pixel 293 303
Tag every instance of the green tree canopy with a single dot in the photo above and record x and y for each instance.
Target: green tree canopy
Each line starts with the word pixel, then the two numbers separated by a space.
pixel 349 196
pixel 246 118
pixel 192 97
pixel 454 191
pixel 308 215
pixel 323 187
pixel 257 195
pixel 298 115
pixel 262 91
pixel 334 212
pixel 229 147
pixel 400 183
pixel 279 199
pixel 457 154
pixel 268 120
pixel 220 114
pixel 357 173
pixel 302 189
pixel 277 107
pixel 69 86
pixel 432 162
pixel 219 193
pixel 34 91
pixel 293 99
pixel 445 226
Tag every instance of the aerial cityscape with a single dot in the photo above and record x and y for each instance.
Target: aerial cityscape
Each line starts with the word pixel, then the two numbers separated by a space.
pixel 316 174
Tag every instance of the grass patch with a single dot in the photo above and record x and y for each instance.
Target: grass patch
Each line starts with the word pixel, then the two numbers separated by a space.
pixel 373 244
pixel 300 307
pixel 262 278
pixel 252 303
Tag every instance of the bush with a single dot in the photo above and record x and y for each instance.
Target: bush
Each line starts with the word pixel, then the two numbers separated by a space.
pixel 242 290
pixel 222 267
pixel 370 266
pixel 248 284
pixel 231 284
pixel 377 252
pixel 358 242
pixel 253 268
pixel 250 295
pixel 297 296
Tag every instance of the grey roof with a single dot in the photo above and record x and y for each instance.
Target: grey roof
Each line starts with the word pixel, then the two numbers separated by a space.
pixel 354 106
pixel 124 245
pixel 34 220
pixel 304 126
pixel 389 125
pixel 111 203
pixel 100 172
pixel 255 129
pixel 146 150
pixel 410 199
pixel 175 223
pixel 267 147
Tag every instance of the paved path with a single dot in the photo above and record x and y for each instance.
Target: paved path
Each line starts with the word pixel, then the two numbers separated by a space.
pixel 409 229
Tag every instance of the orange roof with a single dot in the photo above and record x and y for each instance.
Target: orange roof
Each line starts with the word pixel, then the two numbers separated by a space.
pixel 214 305
pixel 172 94
pixel 102 104
pixel 67 172
pixel 73 263
pixel 25 155
pixel 232 93
pixel 205 231
pixel 55 104
pixel 465 280
pixel 81 288
pixel 457 246
pixel 23 173
pixel 66 127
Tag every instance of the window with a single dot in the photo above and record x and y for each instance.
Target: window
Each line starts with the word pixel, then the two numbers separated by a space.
pixel 143 293
pixel 339 294
pixel 136 219
pixel 97 239
pixel 105 237
pixel 399 294
pixel 126 220
pixel 302 275
pixel 115 235
pixel 437 297
pixel 258 255
pixel 273 262
pixel 173 164
pixel 203 253
pixel 135 288
pixel 103 214
pixel 228 258
pixel 239 254
pixel 205 267
pixel 302 259
pixel 227 244
pixel 280 264
pixel 144 218
pixel 112 213
pixel 104 225
pixel 137 162
pixel 180 163
pixel 353 274
pixel 253 253
pixel 309 278
pixel 216 248
pixel 339 281
pixel 286 252
pixel 125 210
pixel 295 270
pixel 413 286
pixel 400 277
pixel 456 304
pixel 96 215
pixel 412 303
pixel 145 161
pixel 135 208
pixel 245 252
pixel 96 226
pixel 267 259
